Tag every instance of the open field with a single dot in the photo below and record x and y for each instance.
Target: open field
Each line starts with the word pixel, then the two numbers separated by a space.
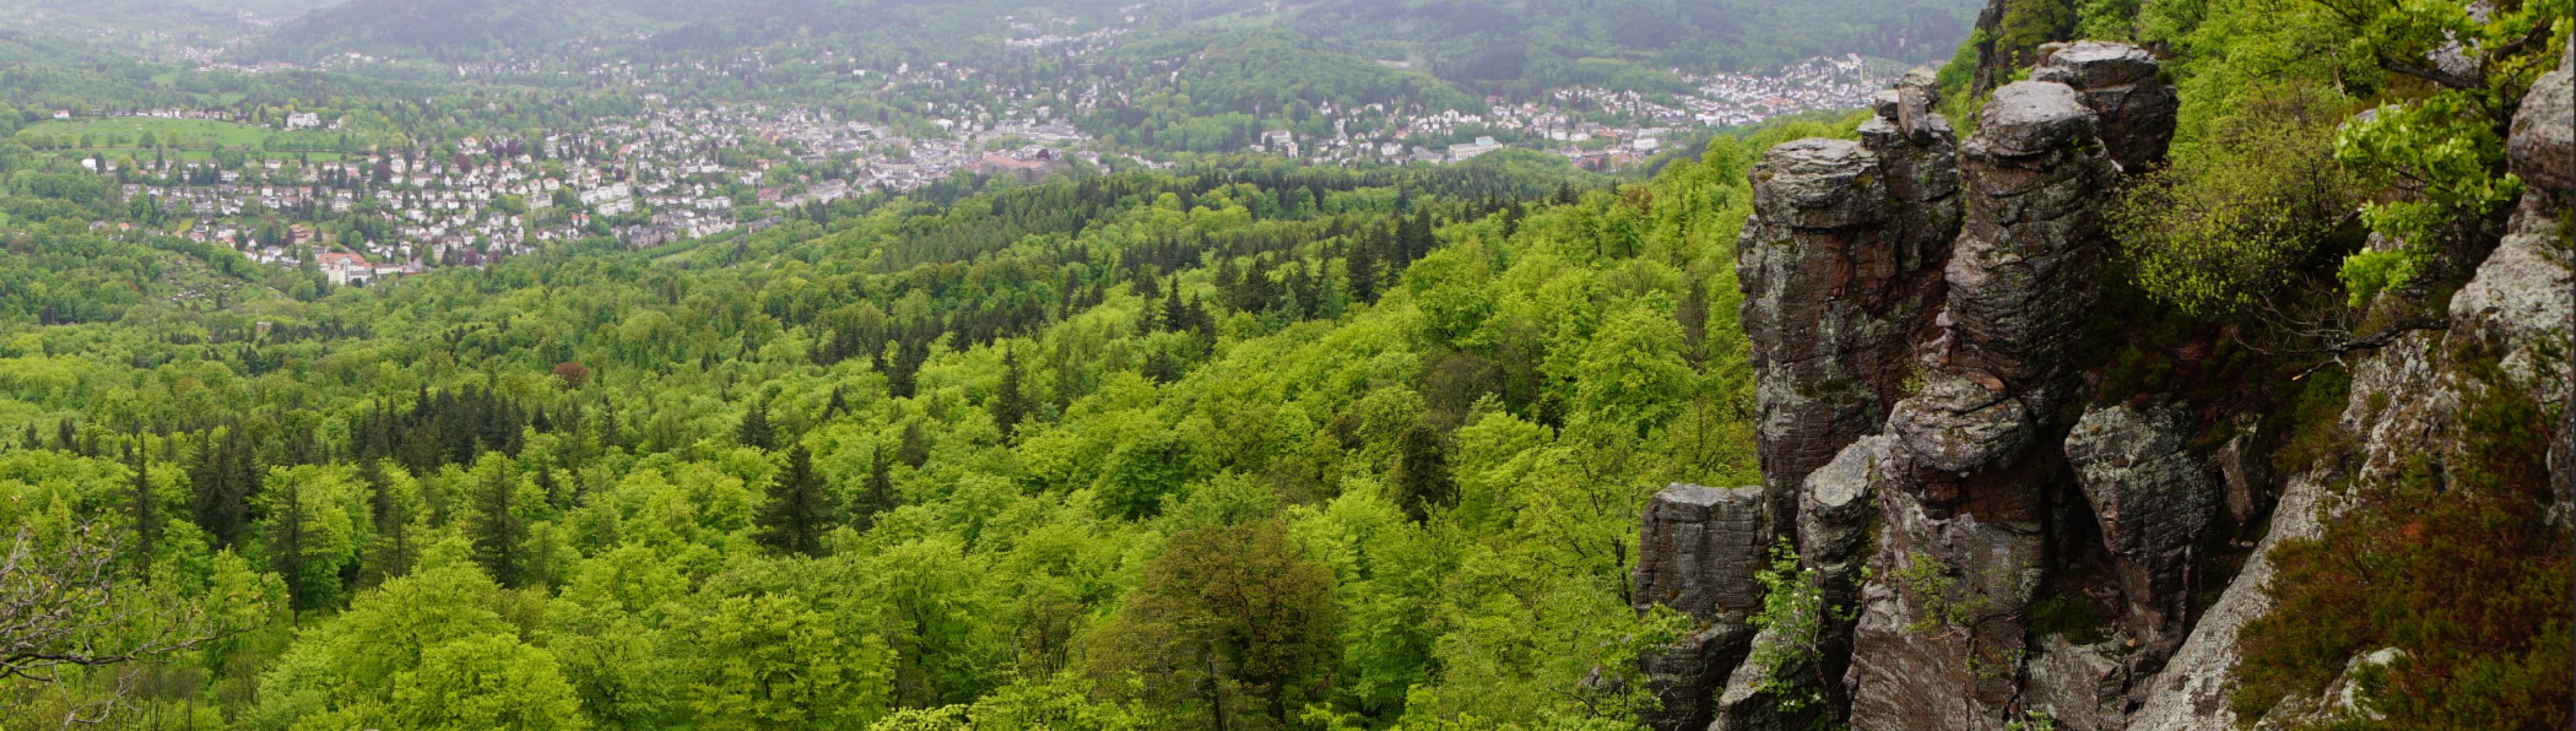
pixel 122 132
pixel 196 139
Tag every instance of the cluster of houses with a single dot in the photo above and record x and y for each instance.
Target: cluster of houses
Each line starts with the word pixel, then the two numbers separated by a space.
pixel 663 178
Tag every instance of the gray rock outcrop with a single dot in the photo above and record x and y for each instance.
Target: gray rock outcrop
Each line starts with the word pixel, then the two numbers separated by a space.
pixel 1841 269
pixel 2153 500
pixel 2120 82
pixel 1960 472
pixel 1697 553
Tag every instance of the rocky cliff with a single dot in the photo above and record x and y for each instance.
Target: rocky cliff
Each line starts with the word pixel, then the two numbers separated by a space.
pixel 1934 443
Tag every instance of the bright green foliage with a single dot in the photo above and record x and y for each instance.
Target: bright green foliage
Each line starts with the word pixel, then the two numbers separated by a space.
pixel 2448 155
pixel 431 650
pixel 2028 23
pixel 2216 231
pixel 1232 627
pixel 1631 373
pixel 1793 615
pixel 775 662
pixel 1440 483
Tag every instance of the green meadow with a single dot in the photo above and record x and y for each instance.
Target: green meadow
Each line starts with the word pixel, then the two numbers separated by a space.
pixel 195 139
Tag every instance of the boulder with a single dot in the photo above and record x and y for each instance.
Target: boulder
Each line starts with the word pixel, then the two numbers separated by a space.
pixel 1751 702
pixel 1699 550
pixel 1687 676
pixel 2033 117
pixel 2541 146
pixel 2154 501
pixel 2244 467
pixel 2119 82
pixel 2081 687
pixel 1917 94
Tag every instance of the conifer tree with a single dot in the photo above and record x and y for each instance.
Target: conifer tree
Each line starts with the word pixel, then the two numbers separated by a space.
pixel 794 519
pixel 878 494
pixel 286 548
pixel 1010 404
pixel 1361 266
pixel 146 511
pixel 224 478
pixel 497 531
pixel 755 431
pixel 390 556
pixel 1422 479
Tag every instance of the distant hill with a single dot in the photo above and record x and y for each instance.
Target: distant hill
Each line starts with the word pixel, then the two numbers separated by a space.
pixel 161 15
pixel 1538 41
pixel 465 29
pixel 1515 39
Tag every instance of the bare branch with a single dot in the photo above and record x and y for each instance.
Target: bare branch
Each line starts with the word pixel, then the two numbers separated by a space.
pixel 65 605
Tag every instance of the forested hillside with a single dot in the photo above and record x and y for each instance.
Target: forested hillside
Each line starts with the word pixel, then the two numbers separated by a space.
pixel 1276 446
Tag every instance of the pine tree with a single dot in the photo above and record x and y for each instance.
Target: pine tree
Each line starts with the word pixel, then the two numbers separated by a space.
pixel 794 519
pixel 146 511
pixel 755 431
pixel 915 449
pixel 1422 478
pixel 497 530
pixel 224 478
pixel 390 555
pixel 878 496
pixel 286 550
pixel 1010 404
pixel 1176 315
pixel 1362 266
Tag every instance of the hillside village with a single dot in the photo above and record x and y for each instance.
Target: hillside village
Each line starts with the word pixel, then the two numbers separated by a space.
pixel 683 170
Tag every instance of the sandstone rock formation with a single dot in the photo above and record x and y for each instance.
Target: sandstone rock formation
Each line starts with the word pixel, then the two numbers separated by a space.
pixel 2120 83
pixel 2153 500
pixel 1840 269
pixel 1698 551
pixel 1927 442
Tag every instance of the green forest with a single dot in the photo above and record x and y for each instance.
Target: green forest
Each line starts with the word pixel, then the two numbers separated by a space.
pixel 1136 451
pixel 1237 445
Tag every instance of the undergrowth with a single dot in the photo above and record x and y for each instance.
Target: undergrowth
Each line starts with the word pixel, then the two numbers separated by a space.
pixel 2464 575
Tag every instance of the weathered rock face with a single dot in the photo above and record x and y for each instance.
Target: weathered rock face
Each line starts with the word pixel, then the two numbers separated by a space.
pixel 1746 703
pixel 2153 500
pixel 1941 636
pixel 2245 469
pixel 2542 145
pixel 2022 273
pixel 1837 513
pixel 1840 267
pixel 1698 553
pixel 1963 541
pixel 1980 482
pixel 2191 692
pixel 2082 687
pixel 1842 271
pixel 2119 82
